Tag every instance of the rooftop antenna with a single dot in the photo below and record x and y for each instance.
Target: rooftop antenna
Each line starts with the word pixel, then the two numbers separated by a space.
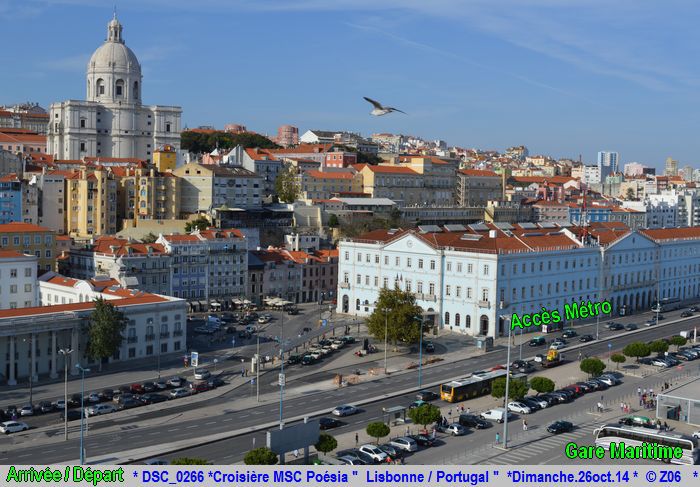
pixel 115 12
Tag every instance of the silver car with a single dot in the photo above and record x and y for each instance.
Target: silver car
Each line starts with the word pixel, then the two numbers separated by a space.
pixel 404 443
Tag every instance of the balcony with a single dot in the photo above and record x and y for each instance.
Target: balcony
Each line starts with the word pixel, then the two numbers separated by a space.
pixel 484 304
pixel 132 339
pixel 344 285
pixel 151 337
pixel 177 333
pixel 165 334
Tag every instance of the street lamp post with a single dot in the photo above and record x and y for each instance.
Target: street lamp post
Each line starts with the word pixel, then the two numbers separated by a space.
pixel 281 377
pixel 65 352
pixel 257 369
pixel 386 335
pixel 82 411
pixel 420 355
pixel 505 416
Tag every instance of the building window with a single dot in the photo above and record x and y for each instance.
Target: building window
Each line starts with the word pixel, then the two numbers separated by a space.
pixel 420 263
pixel 419 287
pixel 470 268
pixel 459 267
pixel 167 126
pixel 149 350
pixel 82 147
pixel 458 291
pixel 431 289
pixel 27 272
pixel 13 272
pixel 385 283
pixel 447 318
pixel 457 319
pixel 432 265
pixel 448 290
pixel 468 321
pixel 486 270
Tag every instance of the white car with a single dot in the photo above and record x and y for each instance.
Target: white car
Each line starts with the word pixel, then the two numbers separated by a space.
pixel 175 382
pixel 557 346
pixel 179 392
pixel 161 384
pixel 696 434
pixel 518 407
pixel 607 380
pixel 659 362
pixel 262 320
pixel 344 410
pixel 455 429
pixel 13 427
pixel 60 404
pixel 337 344
pixel 99 409
pixel 26 411
pixel 495 414
pixel 201 374
pixel 94 397
pixel 540 402
pixel 404 443
pixel 374 451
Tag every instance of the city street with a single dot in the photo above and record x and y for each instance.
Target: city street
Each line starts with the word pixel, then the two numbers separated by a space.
pixel 237 410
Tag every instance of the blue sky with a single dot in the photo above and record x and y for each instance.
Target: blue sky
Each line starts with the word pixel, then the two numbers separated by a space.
pixel 564 77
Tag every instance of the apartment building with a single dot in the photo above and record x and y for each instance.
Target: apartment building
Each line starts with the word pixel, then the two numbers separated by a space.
pixel 17 280
pixel 91 203
pixel 146 194
pixel 477 187
pixel 30 239
pixel 326 184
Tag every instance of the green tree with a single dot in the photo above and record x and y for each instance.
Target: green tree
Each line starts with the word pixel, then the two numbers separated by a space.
pixel 397 314
pixel 618 358
pixel 636 350
pixel 629 195
pixel 149 238
pixel 200 223
pixel 104 331
pixel 287 185
pixel 542 384
pixel 188 461
pixel 333 220
pixel 678 341
pixel 592 366
pixel 326 443
pixel 658 346
pixel 198 142
pixel 377 430
pixel 517 389
pixel 260 456
pixel 425 414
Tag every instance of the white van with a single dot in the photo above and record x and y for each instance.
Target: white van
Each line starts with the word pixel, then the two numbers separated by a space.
pixel 496 414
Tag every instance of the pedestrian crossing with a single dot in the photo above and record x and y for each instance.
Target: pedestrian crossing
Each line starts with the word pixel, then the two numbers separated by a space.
pixel 537 448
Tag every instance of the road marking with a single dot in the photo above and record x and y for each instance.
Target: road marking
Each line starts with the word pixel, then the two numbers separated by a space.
pixel 227 420
pixel 173 429
pixel 190 427
pixel 210 422
pixel 23 456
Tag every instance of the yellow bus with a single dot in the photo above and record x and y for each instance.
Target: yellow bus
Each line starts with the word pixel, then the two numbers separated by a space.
pixel 477 384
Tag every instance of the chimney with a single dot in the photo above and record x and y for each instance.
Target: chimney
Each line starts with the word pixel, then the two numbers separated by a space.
pixel 113 248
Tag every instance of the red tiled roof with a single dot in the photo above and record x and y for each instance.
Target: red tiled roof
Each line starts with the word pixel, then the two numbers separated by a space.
pixel 329 175
pixel 12 254
pixel 214 233
pixel 303 148
pixel 388 169
pixel 16 227
pixel 182 238
pixel 60 308
pixel 9 178
pixel 63 281
pixel 687 233
pixel 104 244
pixel 478 173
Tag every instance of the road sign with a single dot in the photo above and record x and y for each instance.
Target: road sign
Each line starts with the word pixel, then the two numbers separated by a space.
pixel 324 322
pixel 281 380
pixel 194 359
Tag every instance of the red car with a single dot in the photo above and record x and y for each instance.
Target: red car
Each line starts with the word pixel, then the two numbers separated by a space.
pixel 199 387
pixel 137 389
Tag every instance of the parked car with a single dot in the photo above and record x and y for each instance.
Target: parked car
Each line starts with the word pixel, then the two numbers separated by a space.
pixel 152 398
pixel 559 427
pixel 179 392
pixel 569 333
pixel 309 359
pixel 27 410
pixel 328 423
pixel 659 362
pixel 93 398
pixel 348 460
pixel 197 387
pixel 454 429
pixel 631 326
pixel 129 404
pixel 374 452
pixel 473 421
pixel 537 341
pixel 429 346
pixel 539 358
pixel 423 440
pixel 495 414
pixel 45 406
pixel 586 338
pixel 518 364
pixel 200 374
pixel 641 421
pixel 344 410
pixel 519 407
pixel 686 314
pixel 348 339
pixel 390 450
pixel 148 386
pixel 427 396
pixel 613 326
pixel 107 394
pixel 137 389
pixel 60 404
pixel 215 382
pixel 557 345
pixel 404 443
pixel 161 385
pixel 416 404
pixel 99 409
pixel 337 344
pixel 533 405
pixel 651 322
pixel 13 427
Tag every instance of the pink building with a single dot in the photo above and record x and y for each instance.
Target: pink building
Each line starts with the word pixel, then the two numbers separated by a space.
pixel 287 135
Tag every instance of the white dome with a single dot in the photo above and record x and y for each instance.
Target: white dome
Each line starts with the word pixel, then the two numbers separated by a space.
pixel 114 72
pixel 114 56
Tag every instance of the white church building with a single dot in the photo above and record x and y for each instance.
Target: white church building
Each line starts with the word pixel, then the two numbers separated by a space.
pixel 112 122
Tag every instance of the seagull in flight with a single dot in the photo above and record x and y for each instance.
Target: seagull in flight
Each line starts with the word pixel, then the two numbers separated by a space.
pixel 379 109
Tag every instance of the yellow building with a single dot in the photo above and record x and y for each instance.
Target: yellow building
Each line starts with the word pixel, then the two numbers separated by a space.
pixel 30 239
pixel 400 184
pixel 165 158
pixel 91 203
pixel 326 184
pixel 145 194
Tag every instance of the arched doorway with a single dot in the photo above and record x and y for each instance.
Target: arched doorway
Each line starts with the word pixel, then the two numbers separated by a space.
pixel 484 325
pixel 346 303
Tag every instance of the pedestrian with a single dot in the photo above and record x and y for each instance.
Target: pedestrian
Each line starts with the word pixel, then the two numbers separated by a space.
pixel 498 438
pixel 651 392
pixel 639 391
pixel 468 410
pixel 357 439
pixel 641 401
pixel 644 391
pixel 622 407
pixel 665 426
pixel 449 414
pixel 524 425
pixel 408 430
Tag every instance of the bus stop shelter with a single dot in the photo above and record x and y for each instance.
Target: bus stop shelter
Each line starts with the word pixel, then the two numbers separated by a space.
pixel 394 415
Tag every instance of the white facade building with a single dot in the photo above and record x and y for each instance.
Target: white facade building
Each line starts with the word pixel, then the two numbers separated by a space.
pixel 112 122
pixel 17 280
pixel 472 280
